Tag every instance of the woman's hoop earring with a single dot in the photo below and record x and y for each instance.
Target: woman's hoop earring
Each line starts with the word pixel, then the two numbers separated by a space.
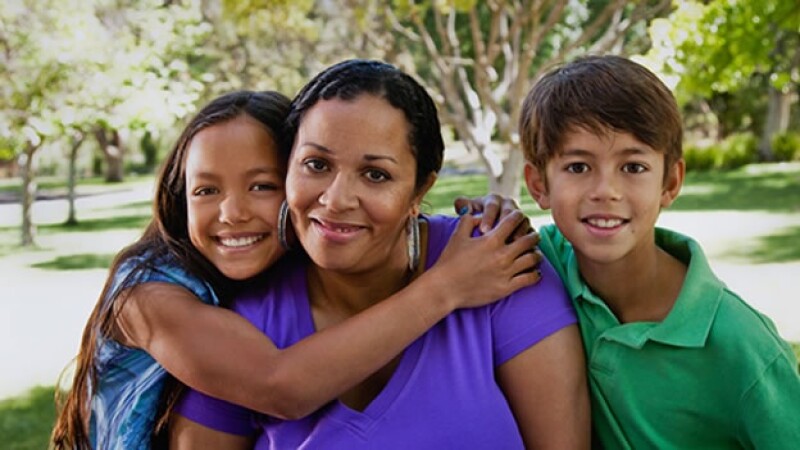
pixel 412 228
pixel 283 224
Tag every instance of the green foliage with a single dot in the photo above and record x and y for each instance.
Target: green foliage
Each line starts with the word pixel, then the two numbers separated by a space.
pixel 77 262
pixel 699 159
pixel 26 421
pixel 786 146
pixel 737 150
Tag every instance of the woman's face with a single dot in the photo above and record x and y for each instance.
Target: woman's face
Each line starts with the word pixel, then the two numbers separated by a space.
pixel 350 184
pixel 234 188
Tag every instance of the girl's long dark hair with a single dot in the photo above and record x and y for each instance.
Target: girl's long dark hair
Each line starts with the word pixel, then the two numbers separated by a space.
pixel 166 235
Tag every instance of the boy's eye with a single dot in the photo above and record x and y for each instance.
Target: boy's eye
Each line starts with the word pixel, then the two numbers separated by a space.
pixel 377 176
pixel 577 167
pixel 315 165
pixel 634 168
pixel 202 191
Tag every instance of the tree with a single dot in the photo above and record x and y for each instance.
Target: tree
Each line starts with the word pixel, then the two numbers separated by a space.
pixel 480 58
pixel 721 47
pixel 74 67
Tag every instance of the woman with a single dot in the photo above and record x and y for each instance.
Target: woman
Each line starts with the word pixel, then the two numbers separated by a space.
pixel 214 228
pixel 365 148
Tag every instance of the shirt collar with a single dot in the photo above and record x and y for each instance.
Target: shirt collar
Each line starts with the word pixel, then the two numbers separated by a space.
pixel 689 322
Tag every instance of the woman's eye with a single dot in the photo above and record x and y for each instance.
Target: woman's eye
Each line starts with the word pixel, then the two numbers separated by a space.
pixel 315 165
pixel 577 167
pixel 377 176
pixel 634 168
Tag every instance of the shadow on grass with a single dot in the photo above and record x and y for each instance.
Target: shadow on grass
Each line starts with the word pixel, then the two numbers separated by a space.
pixel 26 421
pixel 770 190
pixel 775 248
pixel 135 221
pixel 77 262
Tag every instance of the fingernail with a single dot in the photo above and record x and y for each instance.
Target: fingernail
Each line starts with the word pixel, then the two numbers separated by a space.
pixel 463 210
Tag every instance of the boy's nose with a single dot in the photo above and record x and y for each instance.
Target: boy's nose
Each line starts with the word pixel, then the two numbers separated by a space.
pixel 340 195
pixel 606 187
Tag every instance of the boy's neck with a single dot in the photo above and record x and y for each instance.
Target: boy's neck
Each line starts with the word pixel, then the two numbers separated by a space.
pixel 640 288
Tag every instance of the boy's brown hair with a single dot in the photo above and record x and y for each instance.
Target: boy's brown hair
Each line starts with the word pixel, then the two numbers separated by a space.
pixel 600 93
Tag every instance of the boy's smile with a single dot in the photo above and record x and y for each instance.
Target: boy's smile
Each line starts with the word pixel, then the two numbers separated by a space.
pixel 605 192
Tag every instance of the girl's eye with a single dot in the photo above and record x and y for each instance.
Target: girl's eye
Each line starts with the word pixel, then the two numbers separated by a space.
pixel 577 167
pixel 315 165
pixel 634 168
pixel 265 187
pixel 377 176
pixel 203 191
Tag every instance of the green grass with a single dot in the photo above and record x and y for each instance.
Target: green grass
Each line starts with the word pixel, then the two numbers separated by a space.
pixel 764 187
pixel 26 421
pixel 77 262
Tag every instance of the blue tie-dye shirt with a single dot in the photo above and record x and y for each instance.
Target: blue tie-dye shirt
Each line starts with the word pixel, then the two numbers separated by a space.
pixel 129 380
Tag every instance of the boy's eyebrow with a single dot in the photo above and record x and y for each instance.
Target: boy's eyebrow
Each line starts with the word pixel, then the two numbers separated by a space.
pixel 368 157
pixel 624 151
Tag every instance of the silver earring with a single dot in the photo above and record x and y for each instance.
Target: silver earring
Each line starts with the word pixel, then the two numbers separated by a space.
pixel 283 224
pixel 412 228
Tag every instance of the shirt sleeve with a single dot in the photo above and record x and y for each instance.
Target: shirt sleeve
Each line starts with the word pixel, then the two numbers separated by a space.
pixel 530 314
pixel 770 409
pixel 217 414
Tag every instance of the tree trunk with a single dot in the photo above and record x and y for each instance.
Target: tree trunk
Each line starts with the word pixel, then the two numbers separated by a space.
pixel 111 145
pixel 28 194
pixel 508 182
pixel 77 140
pixel 780 103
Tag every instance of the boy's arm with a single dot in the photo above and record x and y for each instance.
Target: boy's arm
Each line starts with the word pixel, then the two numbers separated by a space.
pixel 770 410
pixel 547 390
pixel 219 353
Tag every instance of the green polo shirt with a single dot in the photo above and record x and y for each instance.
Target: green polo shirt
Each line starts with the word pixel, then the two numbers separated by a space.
pixel 714 374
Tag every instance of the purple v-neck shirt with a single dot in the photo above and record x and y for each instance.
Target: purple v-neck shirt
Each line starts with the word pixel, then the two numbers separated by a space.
pixel 443 393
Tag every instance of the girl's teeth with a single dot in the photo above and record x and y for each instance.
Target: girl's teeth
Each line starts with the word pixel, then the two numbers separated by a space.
pixel 240 242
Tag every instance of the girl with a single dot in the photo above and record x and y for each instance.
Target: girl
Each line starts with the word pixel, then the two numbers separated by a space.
pixel 214 229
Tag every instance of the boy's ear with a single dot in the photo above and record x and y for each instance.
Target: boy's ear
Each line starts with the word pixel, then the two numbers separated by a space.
pixel 537 185
pixel 673 183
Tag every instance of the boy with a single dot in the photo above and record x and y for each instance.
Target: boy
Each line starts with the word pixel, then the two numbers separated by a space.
pixel 675 359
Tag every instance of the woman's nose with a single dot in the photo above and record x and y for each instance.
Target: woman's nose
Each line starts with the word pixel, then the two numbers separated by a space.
pixel 340 195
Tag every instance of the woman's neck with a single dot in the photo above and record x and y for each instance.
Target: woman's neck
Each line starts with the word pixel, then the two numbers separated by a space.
pixel 335 296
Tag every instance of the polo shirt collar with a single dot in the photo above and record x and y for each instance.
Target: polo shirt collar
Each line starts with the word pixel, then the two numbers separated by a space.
pixel 689 322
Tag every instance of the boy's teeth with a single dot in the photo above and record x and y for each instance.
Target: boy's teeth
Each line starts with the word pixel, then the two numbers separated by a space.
pixel 605 223
pixel 240 242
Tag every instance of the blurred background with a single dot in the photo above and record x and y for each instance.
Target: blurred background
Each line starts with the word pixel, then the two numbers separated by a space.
pixel 93 94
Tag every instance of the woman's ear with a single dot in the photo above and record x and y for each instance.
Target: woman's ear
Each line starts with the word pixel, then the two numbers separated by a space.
pixel 536 181
pixel 673 182
pixel 421 193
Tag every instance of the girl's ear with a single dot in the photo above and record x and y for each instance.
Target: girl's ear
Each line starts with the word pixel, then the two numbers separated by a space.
pixel 673 182
pixel 537 185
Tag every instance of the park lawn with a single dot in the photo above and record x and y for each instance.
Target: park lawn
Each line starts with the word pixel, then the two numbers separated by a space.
pixel 26 421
